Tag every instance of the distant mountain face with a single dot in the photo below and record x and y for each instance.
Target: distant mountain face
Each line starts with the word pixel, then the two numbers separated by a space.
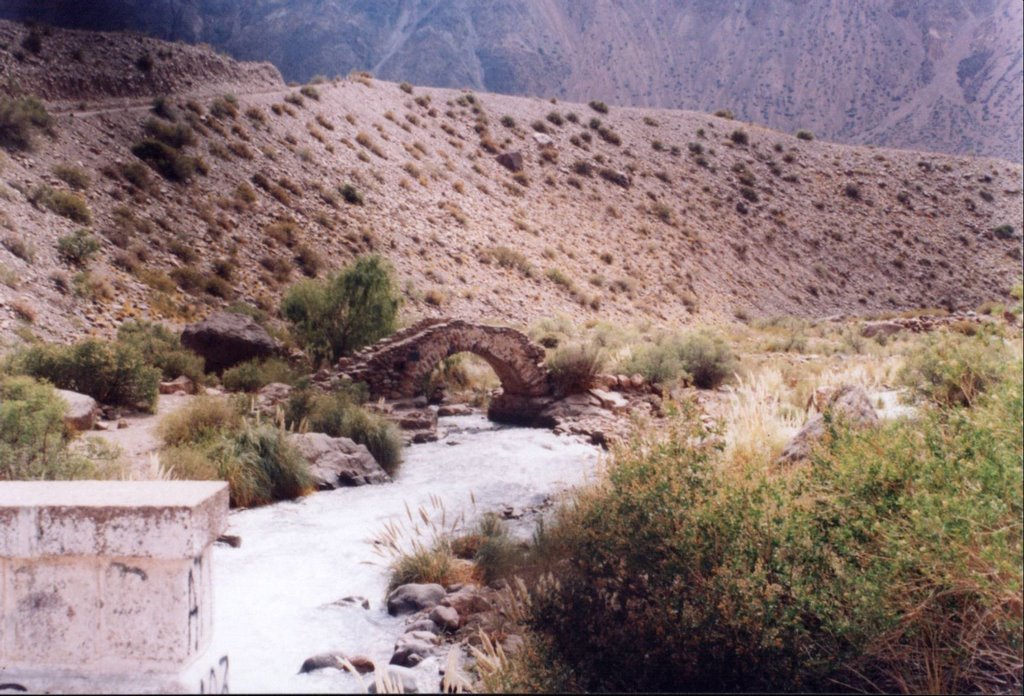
pixel 942 75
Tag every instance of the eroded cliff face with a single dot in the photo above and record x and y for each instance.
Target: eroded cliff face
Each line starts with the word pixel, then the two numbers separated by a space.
pixel 941 75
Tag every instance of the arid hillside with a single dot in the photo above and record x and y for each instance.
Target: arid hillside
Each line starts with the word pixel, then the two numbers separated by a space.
pixel 940 75
pixel 207 182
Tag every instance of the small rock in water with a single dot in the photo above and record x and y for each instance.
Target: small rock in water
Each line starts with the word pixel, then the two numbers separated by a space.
pixel 423 625
pixel 413 597
pixel 410 651
pixel 352 601
pixel 323 661
pixel 230 539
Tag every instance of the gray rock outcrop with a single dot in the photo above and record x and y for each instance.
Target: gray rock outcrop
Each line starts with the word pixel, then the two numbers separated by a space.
pixel 225 339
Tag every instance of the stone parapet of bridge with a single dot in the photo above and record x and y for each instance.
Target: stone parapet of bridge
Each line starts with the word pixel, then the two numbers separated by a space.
pixel 105 586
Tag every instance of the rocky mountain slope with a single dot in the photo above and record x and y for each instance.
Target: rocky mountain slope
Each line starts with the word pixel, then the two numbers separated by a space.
pixel 942 75
pixel 491 207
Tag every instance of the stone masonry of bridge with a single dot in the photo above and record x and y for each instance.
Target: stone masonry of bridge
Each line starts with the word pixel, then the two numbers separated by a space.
pixel 396 367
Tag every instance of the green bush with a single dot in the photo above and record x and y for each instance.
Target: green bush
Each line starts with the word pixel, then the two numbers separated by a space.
pixel 258 463
pixel 953 370
pixel 75 177
pixel 63 203
pixel 111 373
pixel 162 349
pixel 599 106
pixel 203 420
pixel 345 311
pixel 253 375
pixel 20 119
pixel 894 549
pixel 423 565
pixel 805 135
pixel 574 366
pixel 32 433
pixel 701 358
pixel 175 135
pixel 78 247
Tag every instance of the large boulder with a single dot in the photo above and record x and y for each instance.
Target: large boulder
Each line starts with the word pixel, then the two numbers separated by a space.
pixel 848 405
pixel 413 597
pixel 81 412
pixel 225 339
pixel 337 461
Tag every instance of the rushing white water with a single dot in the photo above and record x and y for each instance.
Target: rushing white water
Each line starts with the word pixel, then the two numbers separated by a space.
pixel 272 595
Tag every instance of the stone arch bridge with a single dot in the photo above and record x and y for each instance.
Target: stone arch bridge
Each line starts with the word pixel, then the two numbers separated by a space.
pixel 396 367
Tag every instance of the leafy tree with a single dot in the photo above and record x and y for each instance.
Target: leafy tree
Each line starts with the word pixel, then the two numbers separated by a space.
pixel 340 314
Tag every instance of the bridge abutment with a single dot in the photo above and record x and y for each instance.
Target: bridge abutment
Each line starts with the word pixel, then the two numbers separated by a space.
pixel 106 586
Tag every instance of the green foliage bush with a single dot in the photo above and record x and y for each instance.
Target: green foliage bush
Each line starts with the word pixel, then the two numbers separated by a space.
pixel 345 311
pixel 167 161
pixel 258 463
pixel 953 370
pixel 701 358
pixel 112 373
pixel 253 375
pixel 574 366
pixel 203 420
pixel 32 433
pixel 162 349
pixel 892 550
pixel 20 119
pixel 75 177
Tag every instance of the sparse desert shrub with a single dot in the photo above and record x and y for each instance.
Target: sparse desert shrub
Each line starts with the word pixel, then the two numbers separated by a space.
pixel 725 113
pixel 75 177
pixel 20 248
pixel 510 258
pixel 176 135
pixel 32 433
pixel 508 122
pixel 78 247
pixel 609 136
pixel 953 369
pixel 20 119
pixel 225 106
pixel 341 313
pixel 805 135
pixel 852 191
pixel 111 373
pixel 1003 232
pixel 63 203
pixel 253 375
pixel 599 106
pixel 405 87
pixel 311 92
pixel 555 118
pixel 351 195
pixel 739 136
pixel 309 260
pixel 574 367
pixel 165 160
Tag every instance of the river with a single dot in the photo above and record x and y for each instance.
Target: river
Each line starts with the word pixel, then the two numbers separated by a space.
pixel 273 595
